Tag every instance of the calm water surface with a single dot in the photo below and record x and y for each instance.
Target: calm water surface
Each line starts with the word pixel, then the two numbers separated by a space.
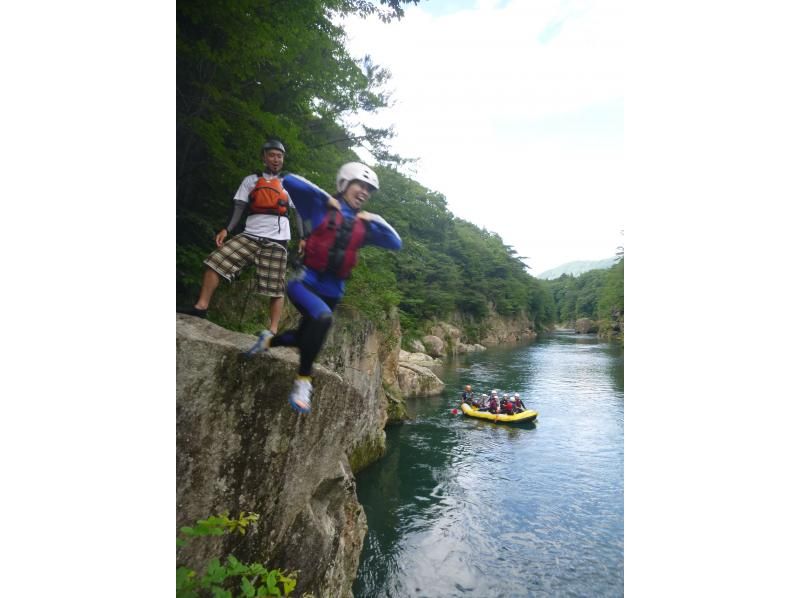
pixel 464 507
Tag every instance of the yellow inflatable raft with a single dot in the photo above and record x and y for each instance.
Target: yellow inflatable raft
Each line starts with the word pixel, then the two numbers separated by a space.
pixel 500 418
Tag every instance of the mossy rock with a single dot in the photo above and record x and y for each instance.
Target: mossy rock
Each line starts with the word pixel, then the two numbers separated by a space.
pixel 396 411
pixel 367 453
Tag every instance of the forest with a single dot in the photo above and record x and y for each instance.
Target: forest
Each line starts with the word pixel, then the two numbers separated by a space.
pixel 250 70
pixel 596 294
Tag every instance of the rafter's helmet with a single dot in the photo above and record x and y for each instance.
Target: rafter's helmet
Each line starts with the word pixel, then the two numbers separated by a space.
pixel 273 144
pixel 355 171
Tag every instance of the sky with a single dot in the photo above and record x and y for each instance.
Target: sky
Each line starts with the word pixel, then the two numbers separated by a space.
pixel 514 110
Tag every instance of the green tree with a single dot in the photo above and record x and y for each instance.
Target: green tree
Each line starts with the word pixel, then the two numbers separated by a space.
pixel 597 294
pixel 611 303
pixel 248 70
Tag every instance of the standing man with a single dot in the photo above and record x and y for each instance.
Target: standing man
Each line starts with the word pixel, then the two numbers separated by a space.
pixel 263 242
pixel 339 229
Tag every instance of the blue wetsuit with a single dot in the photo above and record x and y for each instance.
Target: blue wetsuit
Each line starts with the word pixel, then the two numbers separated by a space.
pixel 316 294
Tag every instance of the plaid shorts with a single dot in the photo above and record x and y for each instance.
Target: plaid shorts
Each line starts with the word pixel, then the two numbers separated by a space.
pixel 241 251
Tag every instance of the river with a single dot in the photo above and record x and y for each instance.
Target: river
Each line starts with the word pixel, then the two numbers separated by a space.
pixel 465 507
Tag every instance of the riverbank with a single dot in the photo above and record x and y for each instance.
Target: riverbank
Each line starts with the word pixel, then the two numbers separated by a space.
pixel 604 329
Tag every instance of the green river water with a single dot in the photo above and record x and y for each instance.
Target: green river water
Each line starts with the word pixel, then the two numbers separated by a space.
pixel 465 507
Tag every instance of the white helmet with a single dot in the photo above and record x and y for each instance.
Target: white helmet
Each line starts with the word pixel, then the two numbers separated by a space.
pixel 355 171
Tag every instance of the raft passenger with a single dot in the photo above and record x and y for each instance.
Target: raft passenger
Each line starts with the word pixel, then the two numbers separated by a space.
pixel 508 407
pixel 466 396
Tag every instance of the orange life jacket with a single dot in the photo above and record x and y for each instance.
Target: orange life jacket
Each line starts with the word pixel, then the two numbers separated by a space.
pixel 269 197
pixel 333 246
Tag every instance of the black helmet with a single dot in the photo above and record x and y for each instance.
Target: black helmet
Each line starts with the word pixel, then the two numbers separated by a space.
pixel 273 144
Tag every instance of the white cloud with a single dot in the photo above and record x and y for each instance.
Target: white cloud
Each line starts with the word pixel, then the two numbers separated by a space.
pixel 515 111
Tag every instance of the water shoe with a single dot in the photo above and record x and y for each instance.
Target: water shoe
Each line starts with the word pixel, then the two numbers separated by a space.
pixel 262 344
pixel 192 311
pixel 300 397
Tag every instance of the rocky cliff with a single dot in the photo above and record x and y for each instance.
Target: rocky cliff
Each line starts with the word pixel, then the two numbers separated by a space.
pixel 501 330
pixel 241 448
pixel 415 376
pixel 451 337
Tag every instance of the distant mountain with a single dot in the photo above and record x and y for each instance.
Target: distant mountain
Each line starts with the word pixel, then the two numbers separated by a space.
pixel 576 268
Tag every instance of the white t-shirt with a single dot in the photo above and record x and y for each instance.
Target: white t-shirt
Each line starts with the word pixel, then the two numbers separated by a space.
pixel 263 225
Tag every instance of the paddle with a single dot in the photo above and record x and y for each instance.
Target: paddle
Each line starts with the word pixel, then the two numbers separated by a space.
pixel 455 410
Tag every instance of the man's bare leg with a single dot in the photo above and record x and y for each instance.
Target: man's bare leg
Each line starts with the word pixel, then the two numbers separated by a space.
pixel 275 309
pixel 210 284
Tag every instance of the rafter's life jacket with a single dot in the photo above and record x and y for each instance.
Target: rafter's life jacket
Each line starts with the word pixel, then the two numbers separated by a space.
pixel 269 197
pixel 333 246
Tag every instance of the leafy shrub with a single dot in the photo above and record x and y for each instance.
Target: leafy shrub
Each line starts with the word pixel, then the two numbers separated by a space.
pixel 229 578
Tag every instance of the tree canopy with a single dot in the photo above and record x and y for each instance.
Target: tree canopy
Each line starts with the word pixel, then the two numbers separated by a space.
pixel 250 70
pixel 597 294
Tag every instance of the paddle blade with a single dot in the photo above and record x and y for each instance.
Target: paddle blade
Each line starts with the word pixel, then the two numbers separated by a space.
pixel 455 412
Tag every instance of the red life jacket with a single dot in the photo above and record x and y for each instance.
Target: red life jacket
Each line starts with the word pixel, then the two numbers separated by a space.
pixel 269 197
pixel 333 246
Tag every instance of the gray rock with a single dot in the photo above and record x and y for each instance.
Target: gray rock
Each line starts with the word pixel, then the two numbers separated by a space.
pixel 502 330
pixel 467 348
pixel 417 346
pixel 434 346
pixel 585 326
pixel 240 447
pixel 418 381
pixel 450 335
pixel 422 359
